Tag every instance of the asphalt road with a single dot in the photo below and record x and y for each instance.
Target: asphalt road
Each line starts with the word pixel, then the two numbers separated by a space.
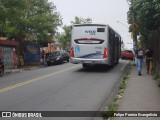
pixel 65 87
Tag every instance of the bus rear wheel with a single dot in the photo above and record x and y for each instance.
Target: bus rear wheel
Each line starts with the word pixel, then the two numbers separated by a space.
pixel 84 65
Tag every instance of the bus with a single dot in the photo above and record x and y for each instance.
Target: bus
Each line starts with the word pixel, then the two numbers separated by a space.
pixel 95 44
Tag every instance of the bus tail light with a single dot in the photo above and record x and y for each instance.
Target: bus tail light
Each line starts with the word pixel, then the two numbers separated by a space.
pixel 105 53
pixel 72 52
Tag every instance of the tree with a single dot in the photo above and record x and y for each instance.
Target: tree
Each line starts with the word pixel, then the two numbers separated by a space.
pixel 65 37
pixel 11 13
pixel 147 16
pixel 42 20
pixel 79 20
pixel 29 19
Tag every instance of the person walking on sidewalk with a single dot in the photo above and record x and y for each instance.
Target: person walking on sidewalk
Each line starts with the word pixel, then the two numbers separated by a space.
pixel 140 56
pixel 149 59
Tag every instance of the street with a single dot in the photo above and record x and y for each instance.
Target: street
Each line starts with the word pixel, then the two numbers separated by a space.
pixel 66 87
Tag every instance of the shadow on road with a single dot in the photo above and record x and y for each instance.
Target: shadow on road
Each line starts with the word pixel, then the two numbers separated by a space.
pixel 95 68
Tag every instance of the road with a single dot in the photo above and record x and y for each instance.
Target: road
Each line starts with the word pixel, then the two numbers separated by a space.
pixel 65 87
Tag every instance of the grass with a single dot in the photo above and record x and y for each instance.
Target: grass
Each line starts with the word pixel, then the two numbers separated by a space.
pixel 156 76
pixel 123 84
pixel 113 107
pixel 111 110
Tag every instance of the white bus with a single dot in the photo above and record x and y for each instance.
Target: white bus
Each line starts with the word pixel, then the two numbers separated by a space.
pixel 94 44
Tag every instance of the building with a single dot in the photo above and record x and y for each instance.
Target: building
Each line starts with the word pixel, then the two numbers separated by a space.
pixel 8 52
pixel 53 46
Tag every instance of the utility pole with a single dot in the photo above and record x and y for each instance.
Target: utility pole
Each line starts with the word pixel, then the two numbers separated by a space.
pixel 134 27
pixel 134 30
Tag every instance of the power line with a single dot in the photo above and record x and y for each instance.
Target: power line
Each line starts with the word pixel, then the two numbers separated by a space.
pixel 122 24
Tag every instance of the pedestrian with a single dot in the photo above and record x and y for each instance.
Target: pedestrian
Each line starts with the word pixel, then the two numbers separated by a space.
pixel 43 56
pixel 149 59
pixel 139 56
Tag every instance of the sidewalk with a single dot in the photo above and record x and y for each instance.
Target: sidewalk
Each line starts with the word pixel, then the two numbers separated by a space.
pixel 142 94
pixel 24 68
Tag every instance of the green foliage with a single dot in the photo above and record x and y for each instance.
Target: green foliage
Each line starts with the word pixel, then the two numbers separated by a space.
pixel 113 106
pixel 146 13
pixel 29 19
pixel 65 37
pixel 156 76
pixel 123 84
pixel 79 20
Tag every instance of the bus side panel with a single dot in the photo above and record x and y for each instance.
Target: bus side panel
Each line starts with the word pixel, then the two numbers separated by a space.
pixel 114 47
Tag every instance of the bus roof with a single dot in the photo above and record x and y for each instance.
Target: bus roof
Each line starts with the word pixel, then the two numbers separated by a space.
pixel 77 25
pixel 92 24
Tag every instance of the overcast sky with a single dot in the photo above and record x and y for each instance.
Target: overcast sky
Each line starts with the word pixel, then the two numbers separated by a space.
pixel 100 11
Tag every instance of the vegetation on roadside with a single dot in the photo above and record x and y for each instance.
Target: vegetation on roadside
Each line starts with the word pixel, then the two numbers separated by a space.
pixel 156 76
pixel 146 15
pixel 144 18
pixel 34 20
pixel 113 107
pixel 123 84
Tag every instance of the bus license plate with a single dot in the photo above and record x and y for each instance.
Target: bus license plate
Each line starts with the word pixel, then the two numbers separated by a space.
pixel 88 41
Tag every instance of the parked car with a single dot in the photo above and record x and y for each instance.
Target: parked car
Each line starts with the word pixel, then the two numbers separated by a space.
pixel 127 54
pixel 57 57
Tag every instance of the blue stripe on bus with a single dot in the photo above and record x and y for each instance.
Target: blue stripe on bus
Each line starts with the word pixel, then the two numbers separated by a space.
pixel 90 55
